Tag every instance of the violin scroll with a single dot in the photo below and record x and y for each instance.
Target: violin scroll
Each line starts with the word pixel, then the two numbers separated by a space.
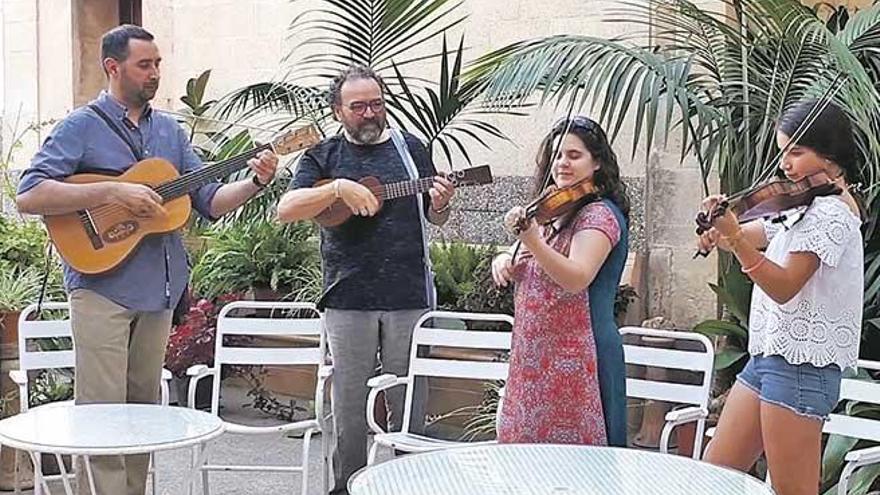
pixel 706 219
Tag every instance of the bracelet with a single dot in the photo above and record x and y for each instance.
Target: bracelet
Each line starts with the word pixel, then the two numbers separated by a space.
pixel 257 182
pixel 442 210
pixel 755 266
pixel 336 188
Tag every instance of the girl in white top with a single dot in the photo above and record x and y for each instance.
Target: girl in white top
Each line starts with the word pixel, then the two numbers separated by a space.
pixel 806 312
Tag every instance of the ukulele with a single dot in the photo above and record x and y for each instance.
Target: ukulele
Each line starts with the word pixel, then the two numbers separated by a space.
pixel 338 212
pixel 99 239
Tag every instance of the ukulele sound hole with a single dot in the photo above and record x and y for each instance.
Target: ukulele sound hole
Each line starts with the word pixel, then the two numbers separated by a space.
pixel 120 231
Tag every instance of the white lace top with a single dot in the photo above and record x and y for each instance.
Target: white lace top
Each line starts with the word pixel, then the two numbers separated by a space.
pixel 822 323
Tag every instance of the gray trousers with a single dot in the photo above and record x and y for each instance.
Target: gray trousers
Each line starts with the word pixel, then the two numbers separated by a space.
pixel 356 338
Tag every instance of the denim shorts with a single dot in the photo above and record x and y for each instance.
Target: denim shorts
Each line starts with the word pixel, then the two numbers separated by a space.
pixel 803 388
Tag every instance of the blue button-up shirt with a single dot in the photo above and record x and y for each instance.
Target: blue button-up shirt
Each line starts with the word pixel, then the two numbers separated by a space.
pixel 154 277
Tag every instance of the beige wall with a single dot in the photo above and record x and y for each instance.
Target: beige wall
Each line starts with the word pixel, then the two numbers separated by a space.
pixel 243 42
pixel 91 18
pixel 37 65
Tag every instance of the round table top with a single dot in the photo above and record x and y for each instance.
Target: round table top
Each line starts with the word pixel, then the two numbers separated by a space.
pixel 550 469
pixel 107 429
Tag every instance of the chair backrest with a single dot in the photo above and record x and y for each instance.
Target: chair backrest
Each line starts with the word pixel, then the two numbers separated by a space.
pixel 853 389
pixel 33 358
pixel 267 319
pixel 701 361
pixel 449 329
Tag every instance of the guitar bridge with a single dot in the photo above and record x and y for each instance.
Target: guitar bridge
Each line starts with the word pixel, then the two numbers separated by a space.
pixel 91 229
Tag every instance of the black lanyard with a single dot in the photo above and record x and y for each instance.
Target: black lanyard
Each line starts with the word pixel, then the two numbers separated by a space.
pixel 136 151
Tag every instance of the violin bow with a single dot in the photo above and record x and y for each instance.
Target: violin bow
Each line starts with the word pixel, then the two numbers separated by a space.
pixel 545 181
pixel 827 97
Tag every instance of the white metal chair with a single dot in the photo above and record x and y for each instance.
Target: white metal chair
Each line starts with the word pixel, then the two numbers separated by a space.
pixel 696 397
pixel 434 329
pixel 287 321
pixel 32 358
pixel 857 427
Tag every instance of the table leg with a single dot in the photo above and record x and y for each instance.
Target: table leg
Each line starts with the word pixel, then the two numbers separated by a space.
pixel 39 480
pixel 16 465
pixel 87 461
pixel 200 453
pixel 64 475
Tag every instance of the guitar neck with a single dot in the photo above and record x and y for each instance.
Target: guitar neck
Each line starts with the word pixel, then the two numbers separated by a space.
pixel 405 188
pixel 191 181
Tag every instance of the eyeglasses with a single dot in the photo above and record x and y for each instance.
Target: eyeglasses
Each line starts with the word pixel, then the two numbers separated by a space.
pixel 360 107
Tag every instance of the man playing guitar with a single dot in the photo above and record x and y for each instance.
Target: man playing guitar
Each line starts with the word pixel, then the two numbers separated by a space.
pixel 121 319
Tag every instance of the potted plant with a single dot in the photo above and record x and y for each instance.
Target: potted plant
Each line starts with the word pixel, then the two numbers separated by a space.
pixel 270 260
pixel 22 265
pixel 18 288
pixel 52 385
pixel 191 343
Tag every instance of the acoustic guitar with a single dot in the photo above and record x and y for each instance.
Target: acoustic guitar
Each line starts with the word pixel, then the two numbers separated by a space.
pixel 99 239
pixel 338 212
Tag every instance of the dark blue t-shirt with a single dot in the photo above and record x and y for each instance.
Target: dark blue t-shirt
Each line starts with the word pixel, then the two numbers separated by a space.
pixel 370 263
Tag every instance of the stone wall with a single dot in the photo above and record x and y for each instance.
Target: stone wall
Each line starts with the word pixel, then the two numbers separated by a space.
pixel 478 212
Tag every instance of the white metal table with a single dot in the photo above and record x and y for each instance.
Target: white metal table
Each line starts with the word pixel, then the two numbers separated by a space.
pixel 550 469
pixel 106 429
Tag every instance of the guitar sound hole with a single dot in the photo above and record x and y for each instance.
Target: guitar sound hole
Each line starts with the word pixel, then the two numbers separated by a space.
pixel 120 231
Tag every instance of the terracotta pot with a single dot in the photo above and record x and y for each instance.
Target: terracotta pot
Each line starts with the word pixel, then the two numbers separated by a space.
pixel 654 412
pixel 7 466
pixel 9 335
pixel 380 412
pixel 686 434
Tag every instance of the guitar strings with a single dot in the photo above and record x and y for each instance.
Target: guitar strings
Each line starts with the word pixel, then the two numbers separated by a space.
pixel 182 183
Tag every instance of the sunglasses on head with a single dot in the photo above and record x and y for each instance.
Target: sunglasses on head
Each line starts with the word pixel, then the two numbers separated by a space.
pixel 579 121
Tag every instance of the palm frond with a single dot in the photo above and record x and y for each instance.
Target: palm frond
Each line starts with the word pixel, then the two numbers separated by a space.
pixel 442 116
pixel 723 77
pixel 375 33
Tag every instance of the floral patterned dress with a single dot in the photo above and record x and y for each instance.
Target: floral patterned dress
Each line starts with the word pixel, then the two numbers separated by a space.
pixel 552 390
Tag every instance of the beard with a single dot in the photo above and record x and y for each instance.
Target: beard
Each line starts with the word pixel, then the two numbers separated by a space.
pixel 147 92
pixel 369 131
pixel 140 95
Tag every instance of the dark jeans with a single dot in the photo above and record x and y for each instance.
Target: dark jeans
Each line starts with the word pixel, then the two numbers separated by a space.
pixel 612 382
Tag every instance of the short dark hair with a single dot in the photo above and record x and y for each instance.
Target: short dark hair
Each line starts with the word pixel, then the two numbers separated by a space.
pixel 356 71
pixel 114 43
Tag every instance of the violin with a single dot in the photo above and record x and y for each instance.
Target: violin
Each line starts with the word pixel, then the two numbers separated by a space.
pixel 770 199
pixel 556 202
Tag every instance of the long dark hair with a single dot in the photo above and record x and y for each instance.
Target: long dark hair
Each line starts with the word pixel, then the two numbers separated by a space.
pixel 607 176
pixel 830 135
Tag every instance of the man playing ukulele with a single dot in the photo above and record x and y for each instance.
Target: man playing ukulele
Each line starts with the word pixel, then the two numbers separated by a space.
pixel 377 281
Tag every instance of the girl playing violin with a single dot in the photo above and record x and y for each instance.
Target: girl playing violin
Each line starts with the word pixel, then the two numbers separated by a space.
pixel 566 275
pixel 806 309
